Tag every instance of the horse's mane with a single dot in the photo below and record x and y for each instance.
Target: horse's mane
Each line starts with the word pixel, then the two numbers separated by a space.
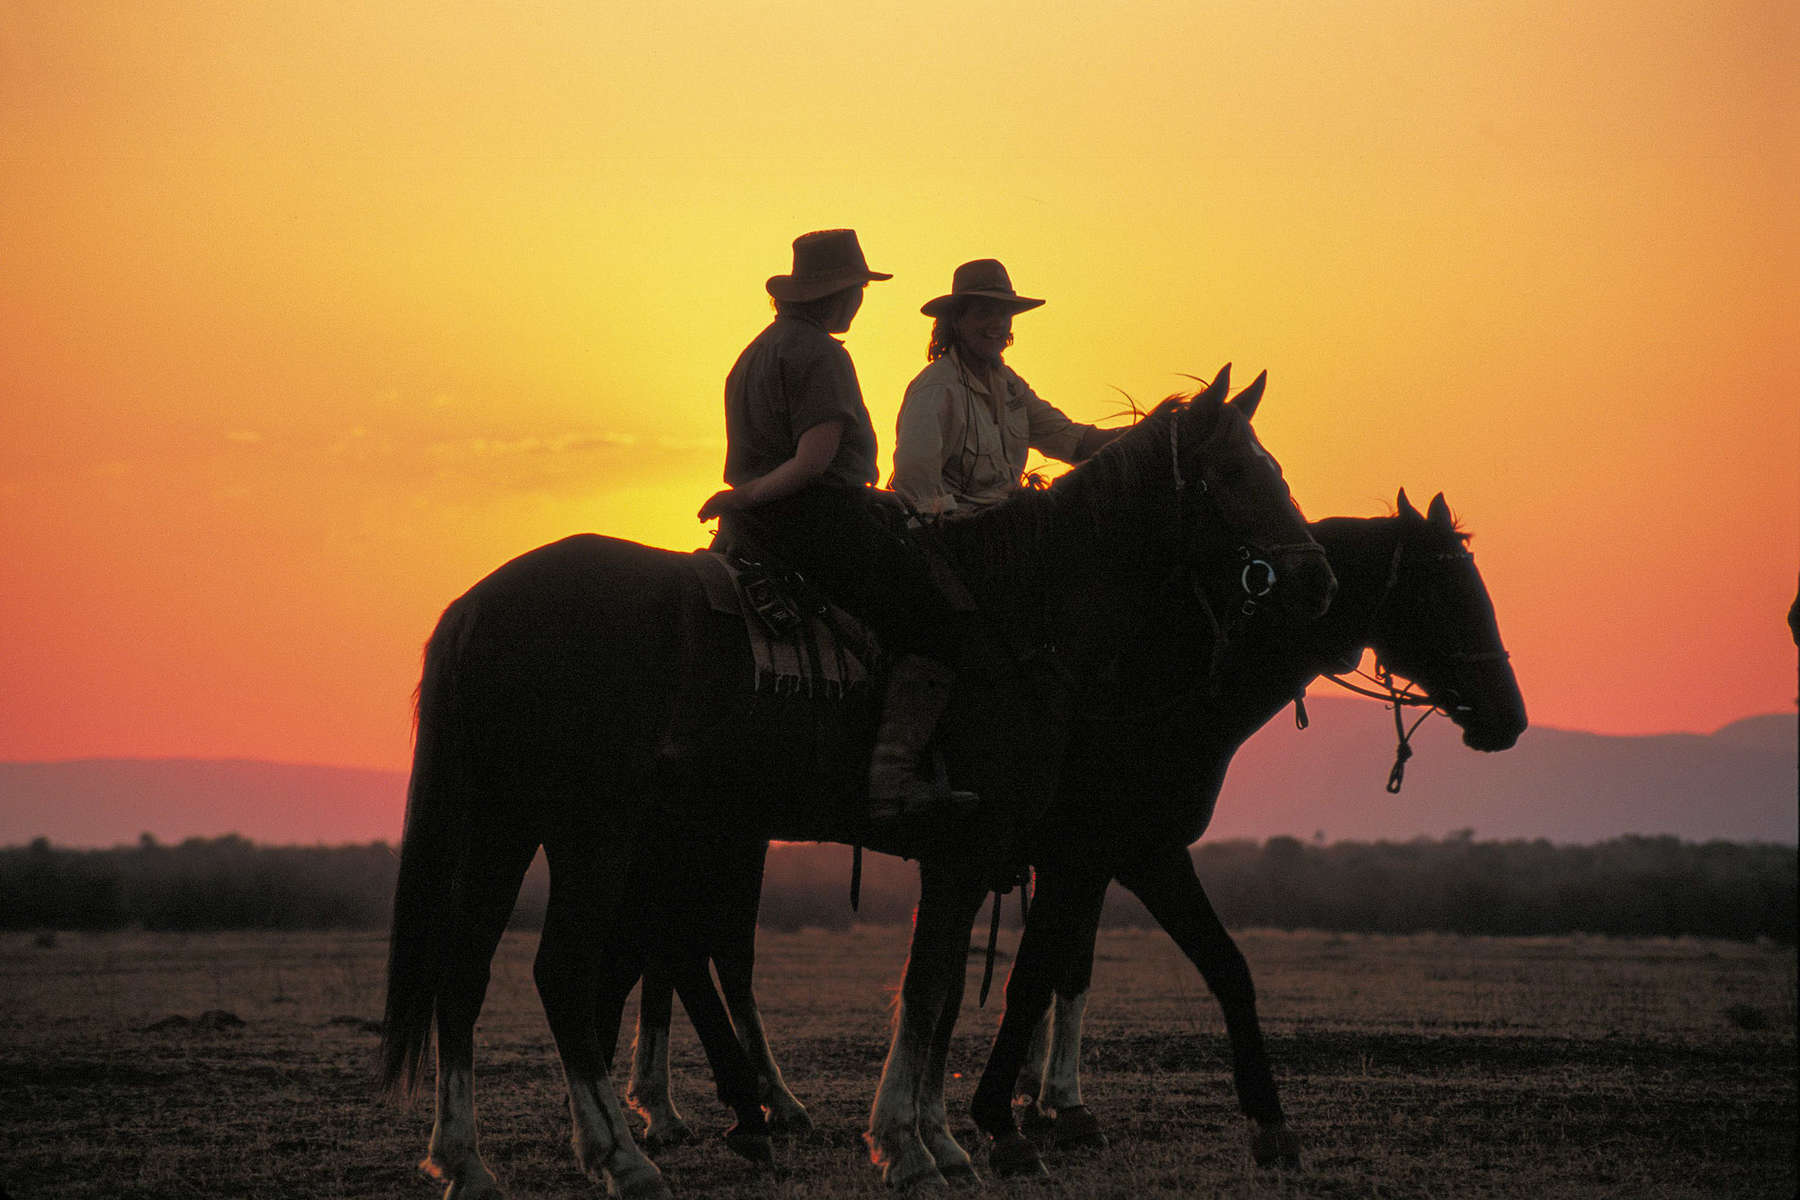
pixel 1097 502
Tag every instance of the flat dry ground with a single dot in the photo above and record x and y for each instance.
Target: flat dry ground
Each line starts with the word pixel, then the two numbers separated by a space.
pixel 1415 1066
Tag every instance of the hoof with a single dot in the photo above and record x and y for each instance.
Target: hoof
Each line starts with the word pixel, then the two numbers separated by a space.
pixel 1037 1123
pixel 1275 1146
pixel 469 1185
pixel 667 1137
pixel 961 1175
pixel 929 1179
pixel 1076 1129
pixel 756 1147
pixel 1012 1156
pixel 794 1124
pixel 476 1190
pixel 644 1187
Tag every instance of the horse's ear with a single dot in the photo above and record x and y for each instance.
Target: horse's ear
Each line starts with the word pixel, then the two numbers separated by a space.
pixel 1247 400
pixel 1403 506
pixel 1215 391
pixel 1438 512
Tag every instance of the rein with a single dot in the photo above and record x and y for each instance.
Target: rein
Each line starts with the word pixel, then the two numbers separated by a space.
pixel 1256 579
pixel 1396 699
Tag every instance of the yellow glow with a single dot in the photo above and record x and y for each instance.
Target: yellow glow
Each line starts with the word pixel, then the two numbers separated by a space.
pixel 313 314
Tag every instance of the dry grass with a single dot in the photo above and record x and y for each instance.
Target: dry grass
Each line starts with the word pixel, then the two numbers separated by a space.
pixel 1418 1066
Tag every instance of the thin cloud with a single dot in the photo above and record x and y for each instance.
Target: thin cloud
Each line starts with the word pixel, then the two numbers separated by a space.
pixel 566 443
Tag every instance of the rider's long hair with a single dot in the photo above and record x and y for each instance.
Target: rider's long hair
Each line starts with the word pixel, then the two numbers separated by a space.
pixel 943 333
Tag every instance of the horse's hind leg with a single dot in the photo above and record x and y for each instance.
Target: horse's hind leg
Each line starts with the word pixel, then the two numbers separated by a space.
pixel 786 1114
pixel 1059 1089
pixel 1064 911
pixel 582 996
pixel 1163 878
pixel 734 956
pixel 1029 1087
pixel 733 1073
pixel 648 1088
pixel 495 871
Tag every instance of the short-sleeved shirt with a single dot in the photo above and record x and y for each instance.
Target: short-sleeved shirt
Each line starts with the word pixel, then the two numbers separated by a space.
pixel 963 436
pixel 792 377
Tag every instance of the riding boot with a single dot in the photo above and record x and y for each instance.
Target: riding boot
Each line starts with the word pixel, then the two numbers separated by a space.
pixel 918 690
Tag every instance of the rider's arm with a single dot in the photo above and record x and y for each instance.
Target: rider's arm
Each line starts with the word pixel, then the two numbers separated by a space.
pixel 817 447
pixel 1093 439
pixel 1052 433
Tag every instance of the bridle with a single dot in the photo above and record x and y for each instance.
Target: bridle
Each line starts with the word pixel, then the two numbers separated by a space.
pixel 1398 697
pixel 1257 576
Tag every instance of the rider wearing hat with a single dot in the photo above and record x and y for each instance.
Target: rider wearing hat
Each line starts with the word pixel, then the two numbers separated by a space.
pixel 800 458
pixel 968 419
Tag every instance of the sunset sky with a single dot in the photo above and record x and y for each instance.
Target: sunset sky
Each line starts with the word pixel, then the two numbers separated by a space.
pixel 312 314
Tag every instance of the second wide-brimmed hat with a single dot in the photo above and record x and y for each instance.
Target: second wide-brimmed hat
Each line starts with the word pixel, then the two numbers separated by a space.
pixel 826 261
pixel 985 279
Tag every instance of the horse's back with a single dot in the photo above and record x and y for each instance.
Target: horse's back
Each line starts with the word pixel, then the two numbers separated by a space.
pixel 591 565
pixel 566 659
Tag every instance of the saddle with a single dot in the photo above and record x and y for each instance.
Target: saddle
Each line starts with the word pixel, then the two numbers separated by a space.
pixel 800 643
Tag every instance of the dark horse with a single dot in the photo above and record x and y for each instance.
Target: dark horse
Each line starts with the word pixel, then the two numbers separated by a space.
pixel 1410 591
pixel 1148 754
pixel 584 698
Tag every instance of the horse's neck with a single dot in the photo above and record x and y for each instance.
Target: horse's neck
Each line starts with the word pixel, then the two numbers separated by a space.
pixel 1103 532
pixel 1264 673
pixel 1361 551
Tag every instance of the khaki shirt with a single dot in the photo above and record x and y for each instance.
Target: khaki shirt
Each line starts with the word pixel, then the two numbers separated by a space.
pixel 792 377
pixel 963 434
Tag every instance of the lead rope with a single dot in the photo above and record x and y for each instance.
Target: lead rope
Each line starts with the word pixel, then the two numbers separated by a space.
pixel 1403 736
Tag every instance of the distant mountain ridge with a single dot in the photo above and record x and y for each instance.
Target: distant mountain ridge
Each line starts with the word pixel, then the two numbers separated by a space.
pixel 1736 784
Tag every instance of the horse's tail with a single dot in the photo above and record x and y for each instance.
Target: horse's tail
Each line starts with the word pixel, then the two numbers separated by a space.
pixel 433 857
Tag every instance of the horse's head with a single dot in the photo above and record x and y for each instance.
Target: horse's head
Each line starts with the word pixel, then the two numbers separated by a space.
pixel 1233 492
pixel 1436 626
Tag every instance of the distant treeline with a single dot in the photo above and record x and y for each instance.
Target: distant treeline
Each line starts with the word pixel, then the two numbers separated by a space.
pixel 1629 886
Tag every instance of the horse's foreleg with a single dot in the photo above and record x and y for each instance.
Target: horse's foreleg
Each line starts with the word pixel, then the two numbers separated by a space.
pixel 934 1120
pixel 940 950
pixel 893 1134
pixel 648 1089
pixel 1164 879
pixel 583 972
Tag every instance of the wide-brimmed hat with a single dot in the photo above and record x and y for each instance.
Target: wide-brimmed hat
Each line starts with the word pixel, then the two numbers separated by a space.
pixel 826 261
pixel 984 278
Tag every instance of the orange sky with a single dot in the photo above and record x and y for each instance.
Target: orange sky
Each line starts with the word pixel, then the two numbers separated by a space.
pixel 310 315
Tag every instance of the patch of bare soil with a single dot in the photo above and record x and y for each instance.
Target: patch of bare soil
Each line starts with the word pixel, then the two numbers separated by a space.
pixel 1411 1068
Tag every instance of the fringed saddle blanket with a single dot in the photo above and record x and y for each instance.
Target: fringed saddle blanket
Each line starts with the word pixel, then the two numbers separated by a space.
pixel 823 654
